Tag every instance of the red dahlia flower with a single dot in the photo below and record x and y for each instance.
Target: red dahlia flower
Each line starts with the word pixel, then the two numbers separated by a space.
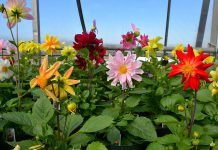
pixel 85 39
pixel 81 62
pixel 192 68
pixel 97 53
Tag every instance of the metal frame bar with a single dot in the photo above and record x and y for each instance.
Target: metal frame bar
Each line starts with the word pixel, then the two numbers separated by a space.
pixel 81 15
pixel 167 23
pixel 36 21
pixel 214 28
pixel 202 23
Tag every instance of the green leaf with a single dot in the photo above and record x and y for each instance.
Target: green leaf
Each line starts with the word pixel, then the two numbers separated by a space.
pixel 168 139
pixel 140 91
pixel 205 140
pixel 159 91
pixel 96 146
pixel 171 101
pixel 25 144
pixel 2 124
pixel 128 117
pixel 175 81
pixel 113 135
pixel 41 129
pixel 112 112
pixel 6 85
pixel 210 109
pixel 142 127
pixel 70 123
pixel 122 123
pixel 211 130
pixel 20 118
pixel 101 68
pixel 133 101
pixel 165 119
pixel 43 110
pixel 156 146
pixel 148 81
pixel 85 94
pixel 96 123
pixel 204 95
pixel 80 139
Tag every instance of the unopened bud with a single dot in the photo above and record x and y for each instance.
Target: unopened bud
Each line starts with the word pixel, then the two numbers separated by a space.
pixel 71 107
pixel 181 108
pixel 136 34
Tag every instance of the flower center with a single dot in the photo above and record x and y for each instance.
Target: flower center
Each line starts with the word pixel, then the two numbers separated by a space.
pixel 188 69
pixel 128 39
pixel 123 69
pixel 4 69
pixel 42 81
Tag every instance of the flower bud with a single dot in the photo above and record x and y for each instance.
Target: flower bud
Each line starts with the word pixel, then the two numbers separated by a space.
pixel 195 142
pixel 214 91
pixel 181 108
pixel 212 144
pixel 136 34
pixel 196 134
pixel 2 8
pixel 71 107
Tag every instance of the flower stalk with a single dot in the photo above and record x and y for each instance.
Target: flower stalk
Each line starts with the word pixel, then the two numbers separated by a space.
pixel 193 114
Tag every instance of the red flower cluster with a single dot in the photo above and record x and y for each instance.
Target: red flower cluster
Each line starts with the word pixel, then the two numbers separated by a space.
pixel 192 68
pixel 94 45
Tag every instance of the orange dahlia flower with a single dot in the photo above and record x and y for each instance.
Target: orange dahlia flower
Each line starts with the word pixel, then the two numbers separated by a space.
pixel 191 67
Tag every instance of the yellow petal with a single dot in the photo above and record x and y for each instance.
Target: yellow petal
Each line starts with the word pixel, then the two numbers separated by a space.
pixel 57 74
pixel 44 65
pixel 50 72
pixel 68 72
pixel 63 94
pixel 72 82
pixel 50 94
pixel 33 83
pixel 69 89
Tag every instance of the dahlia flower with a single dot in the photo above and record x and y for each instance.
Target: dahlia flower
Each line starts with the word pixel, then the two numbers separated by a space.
pixel 129 40
pixel 16 9
pixel 5 72
pixel 51 44
pixel 143 40
pixel 11 49
pixel 81 62
pixel 3 44
pixel 123 69
pixel 192 68
pixel 69 52
pixel 214 78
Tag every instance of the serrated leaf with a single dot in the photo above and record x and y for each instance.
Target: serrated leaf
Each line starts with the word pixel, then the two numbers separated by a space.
pixel 133 101
pixel 112 112
pixel 70 123
pixel 156 146
pixel 20 118
pixel 168 139
pixel 139 91
pixel 142 127
pixel 165 119
pixel 96 123
pixel 171 101
pixel 113 135
pixel 96 146
pixel 43 110
pixel 80 139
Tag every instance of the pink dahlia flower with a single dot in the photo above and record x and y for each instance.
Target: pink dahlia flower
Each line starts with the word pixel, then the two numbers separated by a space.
pixel 123 69
pixel 3 44
pixel 143 40
pixel 16 9
pixel 129 40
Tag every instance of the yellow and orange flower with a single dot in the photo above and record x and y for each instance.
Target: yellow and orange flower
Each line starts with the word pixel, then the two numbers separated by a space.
pixel 62 84
pixel 44 75
pixel 51 44
pixel 179 47
pixel 192 68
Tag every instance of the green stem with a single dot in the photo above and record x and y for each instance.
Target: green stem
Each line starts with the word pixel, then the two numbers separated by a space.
pixel 9 24
pixel 122 102
pixel 193 114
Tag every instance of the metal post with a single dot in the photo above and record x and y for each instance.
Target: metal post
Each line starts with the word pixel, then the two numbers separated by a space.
pixel 167 23
pixel 214 29
pixel 81 15
pixel 202 23
pixel 36 21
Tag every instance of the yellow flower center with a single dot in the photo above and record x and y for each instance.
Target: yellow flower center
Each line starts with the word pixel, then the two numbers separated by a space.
pixel 4 69
pixel 123 69
pixel 188 69
pixel 42 81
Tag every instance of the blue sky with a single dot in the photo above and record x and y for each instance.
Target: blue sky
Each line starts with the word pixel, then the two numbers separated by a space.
pixel 60 18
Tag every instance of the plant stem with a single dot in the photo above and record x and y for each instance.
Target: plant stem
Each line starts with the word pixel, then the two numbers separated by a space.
pixel 193 114
pixel 9 25
pixel 122 102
